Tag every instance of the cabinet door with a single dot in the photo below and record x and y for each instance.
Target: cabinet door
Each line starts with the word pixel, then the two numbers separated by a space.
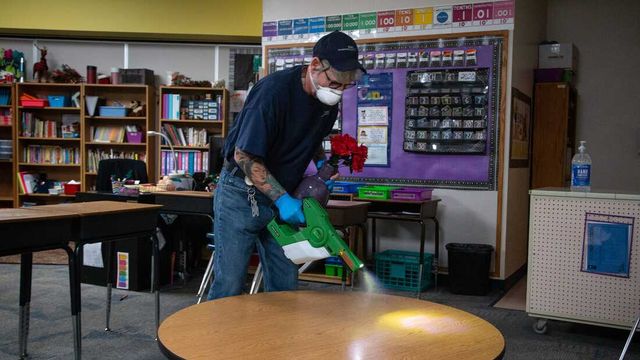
pixel 550 131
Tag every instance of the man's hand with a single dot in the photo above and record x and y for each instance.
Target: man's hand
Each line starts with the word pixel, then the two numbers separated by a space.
pixel 290 209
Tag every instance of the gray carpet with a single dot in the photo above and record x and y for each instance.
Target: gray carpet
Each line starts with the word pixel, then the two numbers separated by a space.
pixel 132 321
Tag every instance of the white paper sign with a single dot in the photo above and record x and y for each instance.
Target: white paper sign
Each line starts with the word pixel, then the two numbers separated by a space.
pixel 373 115
pixel 373 135
pixel 377 155
pixel 92 255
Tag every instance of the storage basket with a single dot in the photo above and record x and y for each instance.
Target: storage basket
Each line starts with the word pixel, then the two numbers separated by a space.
pixel 411 194
pixel 58 100
pixel 378 192
pixel 345 187
pixel 400 270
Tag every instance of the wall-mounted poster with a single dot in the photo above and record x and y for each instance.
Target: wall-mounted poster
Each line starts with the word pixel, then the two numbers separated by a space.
pixel 520 129
pixel 607 244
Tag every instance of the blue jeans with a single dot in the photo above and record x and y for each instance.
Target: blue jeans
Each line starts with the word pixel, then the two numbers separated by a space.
pixel 236 232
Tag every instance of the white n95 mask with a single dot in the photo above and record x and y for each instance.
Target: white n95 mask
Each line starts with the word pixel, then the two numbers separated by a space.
pixel 326 95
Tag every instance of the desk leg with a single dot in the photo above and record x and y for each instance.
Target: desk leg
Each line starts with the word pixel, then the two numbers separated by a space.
pixel 155 278
pixel 421 267
pixel 26 262
pixel 109 271
pixel 436 252
pixel 75 264
pixel 373 238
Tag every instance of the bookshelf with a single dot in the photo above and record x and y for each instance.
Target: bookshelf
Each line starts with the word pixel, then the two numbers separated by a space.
pixel 7 138
pixel 97 128
pixel 191 111
pixel 41 145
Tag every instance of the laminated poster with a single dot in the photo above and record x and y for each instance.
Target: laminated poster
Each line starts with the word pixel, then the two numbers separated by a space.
pixel 378 155
pixel 123 270
pixel 373 115
pixel 607 244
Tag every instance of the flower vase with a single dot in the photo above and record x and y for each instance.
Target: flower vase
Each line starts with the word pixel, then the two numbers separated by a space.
pixel 315 185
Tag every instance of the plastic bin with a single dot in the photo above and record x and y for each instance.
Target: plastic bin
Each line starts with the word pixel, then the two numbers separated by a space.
pixel 113 111
pixel 37 103
pixel 469 268
pixel 345 187
pixel 411 194
pixel 400 270
pixel 58 100
pixel 378 192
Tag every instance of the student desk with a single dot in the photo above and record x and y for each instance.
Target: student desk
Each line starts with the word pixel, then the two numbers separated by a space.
pixel 329 325
pixel 21 231
pixel 100 221
pixel 410 211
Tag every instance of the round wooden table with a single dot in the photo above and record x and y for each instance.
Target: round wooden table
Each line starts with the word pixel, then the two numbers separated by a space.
pixel 326 325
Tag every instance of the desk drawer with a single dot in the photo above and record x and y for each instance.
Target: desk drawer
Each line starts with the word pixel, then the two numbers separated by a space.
pixel 186 204
pixel 117 224
pixel 347 216
pixel 24 236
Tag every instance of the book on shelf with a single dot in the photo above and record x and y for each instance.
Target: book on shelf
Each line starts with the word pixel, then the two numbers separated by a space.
pixel 5 116
pixel 185 136
pixel 32 126
pixel 26 182
pixel 95 155
pixel 108 134
pixel 190 161
pixel 47 154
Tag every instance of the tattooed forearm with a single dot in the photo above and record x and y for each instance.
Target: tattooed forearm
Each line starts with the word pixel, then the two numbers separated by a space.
pixel 258 173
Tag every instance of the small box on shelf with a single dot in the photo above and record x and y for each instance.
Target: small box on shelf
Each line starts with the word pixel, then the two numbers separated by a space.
pixel 58 100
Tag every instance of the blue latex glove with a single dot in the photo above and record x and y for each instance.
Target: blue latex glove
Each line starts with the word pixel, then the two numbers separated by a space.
pixel 290 209
pixel 319 164
pixel 330 184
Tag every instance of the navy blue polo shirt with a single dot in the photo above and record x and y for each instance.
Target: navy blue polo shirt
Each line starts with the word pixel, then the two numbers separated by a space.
pixel 281 124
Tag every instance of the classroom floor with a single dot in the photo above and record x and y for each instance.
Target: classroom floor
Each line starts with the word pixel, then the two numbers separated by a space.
pixel 132 322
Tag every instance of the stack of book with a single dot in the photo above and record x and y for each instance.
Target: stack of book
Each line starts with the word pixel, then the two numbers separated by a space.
pixel 46 154
pixel 190 161
pixel 107 134
pixel 34 127
pixel 185 136
pixel 94 157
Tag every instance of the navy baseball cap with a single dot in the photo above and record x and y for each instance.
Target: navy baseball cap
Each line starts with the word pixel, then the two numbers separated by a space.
pixel 340 50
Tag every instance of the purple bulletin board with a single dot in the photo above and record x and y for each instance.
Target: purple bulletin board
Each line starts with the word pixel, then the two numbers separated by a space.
pixel 467 171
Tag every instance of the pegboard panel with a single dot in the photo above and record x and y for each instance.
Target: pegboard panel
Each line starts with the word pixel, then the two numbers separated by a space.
pixel 556 286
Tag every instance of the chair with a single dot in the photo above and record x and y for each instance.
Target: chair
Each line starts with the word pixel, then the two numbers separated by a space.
pixel 208 273
pixel 120 168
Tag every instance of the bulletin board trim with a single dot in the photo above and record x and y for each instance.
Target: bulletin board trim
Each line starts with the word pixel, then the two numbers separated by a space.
pixel 500 122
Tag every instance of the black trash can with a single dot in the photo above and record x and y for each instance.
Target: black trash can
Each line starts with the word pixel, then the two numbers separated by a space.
pixel 469 268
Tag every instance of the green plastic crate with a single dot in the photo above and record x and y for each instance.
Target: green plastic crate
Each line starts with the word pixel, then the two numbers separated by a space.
pixel 377 192
pixel 399 270
pixel 333 270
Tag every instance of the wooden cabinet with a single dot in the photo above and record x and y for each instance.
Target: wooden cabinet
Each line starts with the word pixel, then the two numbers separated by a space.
pixel 139 147
pixel 188 117
pixel 553 135
pixel 41 149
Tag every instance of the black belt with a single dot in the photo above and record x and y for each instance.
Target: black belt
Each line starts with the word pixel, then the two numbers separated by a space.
pixel 233 169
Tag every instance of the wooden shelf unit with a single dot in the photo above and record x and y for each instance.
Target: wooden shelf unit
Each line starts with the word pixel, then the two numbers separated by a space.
pixel 58 172
pixel 7 166
pixel 212 127
pixel 148 149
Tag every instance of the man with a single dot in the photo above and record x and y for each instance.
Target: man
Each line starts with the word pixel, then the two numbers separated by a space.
pixel 279 131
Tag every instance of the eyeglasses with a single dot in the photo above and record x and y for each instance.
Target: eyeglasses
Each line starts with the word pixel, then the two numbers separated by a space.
pixel 337 85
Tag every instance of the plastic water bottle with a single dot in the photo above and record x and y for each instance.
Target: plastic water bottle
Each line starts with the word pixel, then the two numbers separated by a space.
pixel 581 169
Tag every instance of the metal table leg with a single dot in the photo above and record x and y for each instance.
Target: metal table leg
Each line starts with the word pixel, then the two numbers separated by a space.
pixel 75 272
pixel 26 262
pixel 436 253
pixel 109 271
pixel 373 237
pixel 421 266
pixel 155 278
